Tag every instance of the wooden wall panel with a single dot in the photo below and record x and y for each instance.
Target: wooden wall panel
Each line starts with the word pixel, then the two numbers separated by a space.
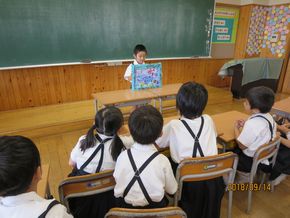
pixel 243 30
pixel 22 88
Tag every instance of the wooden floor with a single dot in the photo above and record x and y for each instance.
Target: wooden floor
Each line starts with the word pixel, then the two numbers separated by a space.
pixel 56 129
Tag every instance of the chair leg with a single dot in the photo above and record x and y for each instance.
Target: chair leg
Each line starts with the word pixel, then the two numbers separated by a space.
pixel 249 201
pixel 263 177
pixel 230 203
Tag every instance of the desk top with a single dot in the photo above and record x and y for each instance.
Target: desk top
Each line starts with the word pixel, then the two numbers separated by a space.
pixel 121 96
pixel 166 90
pixel 127 95
pixel 224 123
pixel 43 183
pixel 283 105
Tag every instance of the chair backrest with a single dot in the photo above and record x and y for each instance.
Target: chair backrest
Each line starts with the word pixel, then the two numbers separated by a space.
pixel 166 212
pixel 80 186
pixel 205 168
pixel 265 152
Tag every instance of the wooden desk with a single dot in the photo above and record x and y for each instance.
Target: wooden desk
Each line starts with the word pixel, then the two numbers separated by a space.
pixel 122 98
pixel 224 123
pixel 43 186
pixel 282 108
pixel 127 97
pixel 166 92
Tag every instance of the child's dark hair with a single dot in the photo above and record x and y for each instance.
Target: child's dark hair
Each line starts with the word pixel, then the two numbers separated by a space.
pixel 107 121
pixel 139 48
pixel 19 160
pixel 261 98
pixel 145 124
pixel 191 99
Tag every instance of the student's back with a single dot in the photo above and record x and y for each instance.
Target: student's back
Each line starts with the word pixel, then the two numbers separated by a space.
pixel 137 187
pixel 176 136
pixel 95 152
pixel 19 174
pixel 194 135
pixel 101 145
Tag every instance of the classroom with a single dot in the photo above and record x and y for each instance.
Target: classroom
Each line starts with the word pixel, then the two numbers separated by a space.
pixel 64 62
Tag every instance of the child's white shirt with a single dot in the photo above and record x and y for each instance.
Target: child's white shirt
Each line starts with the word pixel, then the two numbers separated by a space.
pixel 128 71
pixel 256 132
pixel 30 205
pixel 157 177
pixel 176 136
pixel 80 157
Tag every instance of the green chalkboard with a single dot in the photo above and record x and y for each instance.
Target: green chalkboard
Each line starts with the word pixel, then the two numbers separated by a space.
pixel 40 32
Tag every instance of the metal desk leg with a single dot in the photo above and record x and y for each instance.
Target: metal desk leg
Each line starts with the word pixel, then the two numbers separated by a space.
pixel 160 105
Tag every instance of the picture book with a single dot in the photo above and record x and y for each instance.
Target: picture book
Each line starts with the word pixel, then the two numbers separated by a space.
pixel 146 76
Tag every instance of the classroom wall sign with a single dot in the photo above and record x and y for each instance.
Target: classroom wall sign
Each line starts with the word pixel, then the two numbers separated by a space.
pixel 225 25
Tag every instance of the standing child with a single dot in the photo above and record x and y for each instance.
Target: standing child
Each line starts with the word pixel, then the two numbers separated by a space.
pixel 194 135
pixel 97 151
pixel 139 54
pixel 20 172
pixel 258 130
pixel 142 175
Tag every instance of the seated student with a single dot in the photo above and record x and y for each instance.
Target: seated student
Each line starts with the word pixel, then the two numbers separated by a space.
pixel 259 129
pixel 139 53
pixel 194 135
pixel 142 175
pixel 20 172
pixel 95 152
pixel 282 166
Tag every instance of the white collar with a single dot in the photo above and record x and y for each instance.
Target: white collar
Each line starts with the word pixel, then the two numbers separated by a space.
pixel 136 63
pixel 190 120
pixel 20 199
pixel 102 136
pixel 140 147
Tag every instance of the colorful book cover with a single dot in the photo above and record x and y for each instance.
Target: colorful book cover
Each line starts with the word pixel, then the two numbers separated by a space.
pixel 146 76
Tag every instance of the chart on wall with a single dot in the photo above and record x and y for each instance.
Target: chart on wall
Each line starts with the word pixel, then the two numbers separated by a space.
pixel 276 29
pixel 268 29
pixel 225 25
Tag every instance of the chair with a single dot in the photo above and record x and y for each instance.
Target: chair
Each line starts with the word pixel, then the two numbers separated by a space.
pixel 205 168
pixel 166 212
pixel 265 152
pixel 80 186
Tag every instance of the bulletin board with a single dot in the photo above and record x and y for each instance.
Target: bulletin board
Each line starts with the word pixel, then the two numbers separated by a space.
pixel 224 31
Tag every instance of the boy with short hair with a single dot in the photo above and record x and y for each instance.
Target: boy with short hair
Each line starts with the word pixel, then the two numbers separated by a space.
pixel 259 129
pixel 19 174
pixel 142 174
pixel 139 54
pixel 194 135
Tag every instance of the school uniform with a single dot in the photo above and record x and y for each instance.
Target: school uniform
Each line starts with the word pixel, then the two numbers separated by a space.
pixel 128 71
pixel 195 138
pixel 80 157
pixel 156 178
pixel 30 205
pixel 258 130
pixel 93 160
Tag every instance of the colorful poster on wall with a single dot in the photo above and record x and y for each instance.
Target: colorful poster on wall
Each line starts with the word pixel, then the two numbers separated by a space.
pixel 225 25
pixel 146 76
pixel 256 30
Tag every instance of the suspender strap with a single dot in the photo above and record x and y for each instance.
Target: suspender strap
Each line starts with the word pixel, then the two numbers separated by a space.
pixel 100 147
pixel 196 138
pixel 137 175
pixel 54 202
pixel 270 125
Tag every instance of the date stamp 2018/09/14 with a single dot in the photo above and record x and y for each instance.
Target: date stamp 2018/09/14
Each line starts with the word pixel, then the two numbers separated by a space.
pixel 249 186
